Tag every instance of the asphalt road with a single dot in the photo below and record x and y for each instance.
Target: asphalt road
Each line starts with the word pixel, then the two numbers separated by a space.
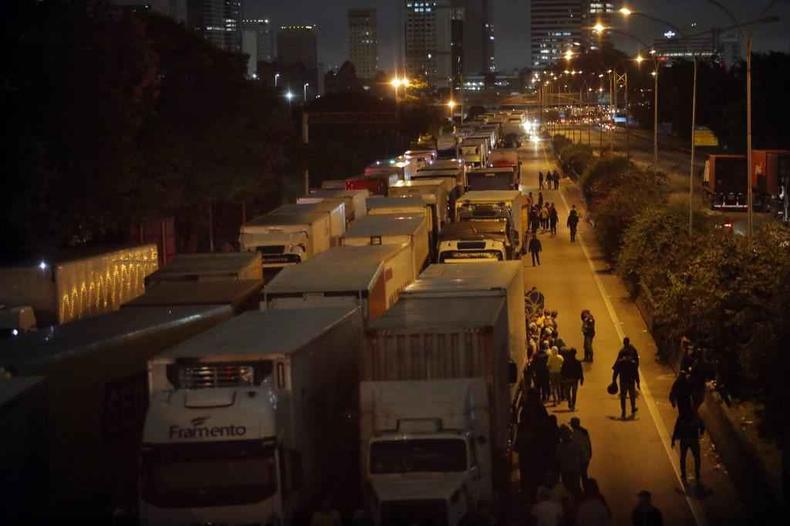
pixel 634 454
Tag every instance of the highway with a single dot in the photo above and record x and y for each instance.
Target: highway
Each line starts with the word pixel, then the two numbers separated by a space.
pixel 629 455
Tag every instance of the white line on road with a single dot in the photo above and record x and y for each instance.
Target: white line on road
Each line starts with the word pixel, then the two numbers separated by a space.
pixel 698 514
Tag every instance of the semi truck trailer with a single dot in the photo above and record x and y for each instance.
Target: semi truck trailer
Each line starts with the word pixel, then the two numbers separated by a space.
pixel 393 229
pixel 487 205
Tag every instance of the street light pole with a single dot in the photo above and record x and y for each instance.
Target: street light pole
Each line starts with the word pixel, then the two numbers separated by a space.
pixel 276 77
pixel 304 89
pixel 749 196
pixel 655 116
pixel 693 129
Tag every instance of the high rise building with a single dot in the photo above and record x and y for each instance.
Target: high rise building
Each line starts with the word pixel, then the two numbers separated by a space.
pixel 175 9
pixel 297 56
pixel 428 46
pixel 599 12
pixel 478 38
pixel 256 42
pixel 673 47
pixel 557 25
pixel 219 21
pixel 363 42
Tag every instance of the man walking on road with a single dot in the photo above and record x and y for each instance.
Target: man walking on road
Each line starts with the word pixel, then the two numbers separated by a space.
pixel 688 430
pixel 540 180
pixel 629 350
pixel 645 514
pixel 554 218
pixel 582 437
pixel 588 331
pixel 572 377
pixel 535 249
pixel 573 222
pixel 556 180
pixel 628 371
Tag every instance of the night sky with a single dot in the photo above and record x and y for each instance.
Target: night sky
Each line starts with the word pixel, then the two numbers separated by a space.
pixel 511 23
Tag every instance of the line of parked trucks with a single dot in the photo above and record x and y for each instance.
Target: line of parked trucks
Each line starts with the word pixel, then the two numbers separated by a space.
pixel 213 399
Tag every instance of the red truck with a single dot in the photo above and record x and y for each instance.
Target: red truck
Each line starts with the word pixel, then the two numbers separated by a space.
pixel 724 179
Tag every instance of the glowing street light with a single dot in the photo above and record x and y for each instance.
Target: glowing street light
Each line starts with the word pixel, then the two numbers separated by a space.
pixel 569 55
pixel 289 97
pixel 598 28
pixel 451 104
pixel 625 11
pixel 639 58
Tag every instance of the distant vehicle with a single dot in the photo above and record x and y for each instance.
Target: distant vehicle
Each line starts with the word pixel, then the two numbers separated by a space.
pixel 376 184
pixel 475 241
pixel 724 179
pixel 15 321
pixel 504 205
pixel 406 206
pixel 333 207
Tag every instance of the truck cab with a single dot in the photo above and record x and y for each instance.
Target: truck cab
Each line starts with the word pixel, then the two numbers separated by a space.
pixel 475 242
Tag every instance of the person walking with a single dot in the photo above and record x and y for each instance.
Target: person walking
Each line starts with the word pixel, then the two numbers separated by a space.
pixel 688 431
pixel 627 370
pixel 546 511
pixel 554 218
pixel 572 377
pixel 569 460
pixel 540 201
pixel 544 217
pixel 588 331
pixel 629 350
pixel 554 363
pixel 540 369
pixel 582 437
pixel 534 220
pixel 533 416
pixel 535 248
pixel 540 180
pixel 645 514
pixel 573 222
pixel 593 509
pixel 680 395
pixel 556 180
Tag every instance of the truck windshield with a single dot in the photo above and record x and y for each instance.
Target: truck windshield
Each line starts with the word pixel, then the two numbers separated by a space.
pixel 418 455
pixel 483 211
pixel 208 474
pixel 459 256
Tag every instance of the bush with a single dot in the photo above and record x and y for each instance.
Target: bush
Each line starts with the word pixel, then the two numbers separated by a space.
pixel 602 176
pixel 615 213
pixel 559 143
pixel 575 158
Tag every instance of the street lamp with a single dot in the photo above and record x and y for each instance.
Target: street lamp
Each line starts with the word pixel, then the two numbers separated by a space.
pixel 276 76
pixel 289 97
pixel 304 89
pixel 451 104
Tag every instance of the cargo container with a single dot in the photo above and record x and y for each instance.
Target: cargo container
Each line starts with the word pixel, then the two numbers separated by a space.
pixel 724 178
pixel 214 266
pixel 401 230
pixel 286 239
pixel 248 423
pixel 474 151
pixel 240 295
pixel 434 192
pixel 334 207
pixel 487 205
pixel 370 277
pixel 431 338
pixel 406 206
pixel 467 281
pixel 376 185
pixel 95 372
pixel 500 178
pixel 64 291
pixel 355 200
pixel 401 167
pixel 425 450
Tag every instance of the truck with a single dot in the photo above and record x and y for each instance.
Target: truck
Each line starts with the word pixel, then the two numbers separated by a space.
pixel 499 178
pixel 423 156
pixel 475 242
pixel 468 281
pixel 16 320
pixel 238 294
pixel 248 422
pixel 503 205
pixel 454 174
pixel 434 192
pixel 285 239
pixel 724 178
pixel 213 266
pixel 432 339
pixel 393 229
pixel 95 374
pixel 375 184
pixel 401 167
pixel 426 449
pixel 506 157
pixel 355 200
pixel 371 277
pixel 78 287
pixel 334 207
pixel 405 206
pixel 474 151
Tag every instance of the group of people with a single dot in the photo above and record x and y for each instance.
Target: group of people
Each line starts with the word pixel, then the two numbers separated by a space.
pixel 551 180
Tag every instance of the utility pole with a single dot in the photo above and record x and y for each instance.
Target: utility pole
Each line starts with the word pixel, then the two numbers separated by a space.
pixel 655 116
pixel 691 167
pixel 749 197
pixel 305 141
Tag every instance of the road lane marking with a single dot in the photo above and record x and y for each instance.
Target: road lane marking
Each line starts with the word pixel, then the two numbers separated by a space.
pixel 697 513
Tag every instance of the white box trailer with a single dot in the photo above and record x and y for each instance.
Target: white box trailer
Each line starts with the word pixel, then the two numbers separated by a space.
pixel 434 191
pixel 286 238
pixel 433 338
pixel 486 205
pixel 466 281
pixel 95 372
pixel 214 266
pixel 405 206
pixel 425 449
pixel 392 229
pixel 493 178
pixel 247 423
pixel 334 207
pixel 456 174
pixel 240 295
pixel 474 151
pixel 355 200
pixel 370 277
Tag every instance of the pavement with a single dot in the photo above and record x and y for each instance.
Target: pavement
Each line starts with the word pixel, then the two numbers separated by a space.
pixel 633 454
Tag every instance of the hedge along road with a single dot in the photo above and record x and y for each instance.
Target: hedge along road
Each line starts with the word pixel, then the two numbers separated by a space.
pixel 629 455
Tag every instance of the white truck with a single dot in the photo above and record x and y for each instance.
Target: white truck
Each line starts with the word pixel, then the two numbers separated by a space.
pixel 474 242
pixel 355 200
pixel 413 206
pixel 334 207
pixel 370 277
pixel 503 205
pixel 213 266
pixel 285 239
pixel 432 339
pixel 425 449
pixel 393 229
pixel 445 169
pixel 248 422
pixel 435 192
pixel 468 281
pixel 493 178
pixel 474 151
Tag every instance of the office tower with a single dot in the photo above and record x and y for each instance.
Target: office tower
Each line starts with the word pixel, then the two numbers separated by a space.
pixel 428 41
pixel 675 47
pixel 556 26
pixel 297 57
pixel 175 9
pixel 256 43
pixel 219 21
pixel 363 42
pixel 478 38
pixel 599 12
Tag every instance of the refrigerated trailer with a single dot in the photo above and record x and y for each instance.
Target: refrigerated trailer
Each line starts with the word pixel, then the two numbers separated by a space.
pixel 248 423
pixel 434 191
pixel 393 229
pixel 214 266
pixel 95 372
pixel 355 200
pixel 370 277
pixel 333 207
